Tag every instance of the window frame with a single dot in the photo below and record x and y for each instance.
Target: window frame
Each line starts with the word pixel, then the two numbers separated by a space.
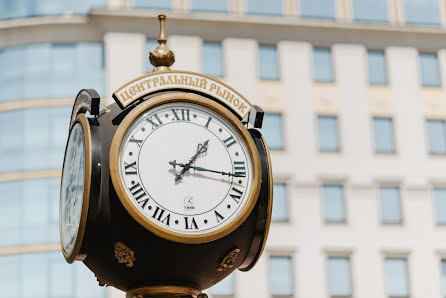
pixel 287 200
pixel 222 61
pixel 282 122
pixel 332 65
pixel 427 139
pixel 339 137
pixel 397 255
pixel 344 202
pixel 340 254
pixel 384 153
pixel 400 200
pixel 259 74
pixel 420 73
pixel 386 63
pixel 282 254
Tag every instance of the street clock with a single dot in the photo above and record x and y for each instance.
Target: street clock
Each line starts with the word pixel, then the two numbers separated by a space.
pixel 167 191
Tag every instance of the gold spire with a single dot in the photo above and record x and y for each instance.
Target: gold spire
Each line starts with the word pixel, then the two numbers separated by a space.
pixel 162 57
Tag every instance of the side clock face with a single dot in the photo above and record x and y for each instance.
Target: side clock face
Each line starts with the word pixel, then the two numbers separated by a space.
pixel 187 172
pixel 72 195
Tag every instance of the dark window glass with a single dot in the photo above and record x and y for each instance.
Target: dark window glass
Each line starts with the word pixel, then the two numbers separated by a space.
pixel 155 4
pixel 322 66
pixel 397 281
pixel 51 70
pixel 377 68
pixel 10 9
pixel 383 128
pixel 440 205
pixel 272 130
pixel 213 59
pixel 390 206
pixel 33 139
pixel 268 63
pixel 426 12
pixel 268 7
pixel 29 212
pixel 429 71
pixel 280 202
pixel 328 133
pixel 211 6
pixel 370 11
pixel 436 136
pixel 281 276
pixel 333 200
pixel 46 275
pixel 339 277
pixel 324 9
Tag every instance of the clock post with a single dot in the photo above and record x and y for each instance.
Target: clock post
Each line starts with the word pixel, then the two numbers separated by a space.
pixel 168 190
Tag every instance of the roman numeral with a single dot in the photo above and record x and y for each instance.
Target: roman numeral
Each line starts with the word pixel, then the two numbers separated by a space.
pixel 192 224
pixel 156 122
pixel 236 195
pixel 158 215
pixel 184 114
pixel 218 216
pixel 137 191
pixel 143 203
pixel 209 121
pixel 130 168
pixel 138 142
pixel 229 142
pixel 239 167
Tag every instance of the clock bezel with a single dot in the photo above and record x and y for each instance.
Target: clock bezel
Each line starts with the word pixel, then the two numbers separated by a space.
pixel 76 252
pixel 180 97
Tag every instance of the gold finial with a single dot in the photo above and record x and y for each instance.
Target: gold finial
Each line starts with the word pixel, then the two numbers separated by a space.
pixel 162 57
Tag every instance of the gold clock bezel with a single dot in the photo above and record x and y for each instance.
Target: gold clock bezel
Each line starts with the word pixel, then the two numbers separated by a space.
pixel 75 254
pixel 134 211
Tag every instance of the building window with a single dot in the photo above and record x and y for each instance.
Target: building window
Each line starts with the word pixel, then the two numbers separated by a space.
pixel 424 12
pixel 390 206
pixel 212 59
pixel 29 212
pixel 383 128
pixel 429 71
pixel 268 63
pixel 151 45
pixel 272 130
pixel 33 139
pixel 51 70
pixel 23 9
pixel 339 277
pixel 333 201
pixel 224 288
pixel 324 9
pixel 322 66
pixel 397 281
pixel 267 7
pixel 436 136
pixel 211 6
pixel 328 133
pixel 440 205
pixel 46 275
pixel 281 276
pixel 280 202
pixel 155 4
pixel 370 11
pixel 443 275
pixel 377 68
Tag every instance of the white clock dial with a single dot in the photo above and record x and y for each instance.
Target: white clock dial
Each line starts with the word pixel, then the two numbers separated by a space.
pixel 72 188
pixel 185 168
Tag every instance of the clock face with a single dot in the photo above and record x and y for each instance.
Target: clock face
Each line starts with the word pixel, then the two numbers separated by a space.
pixel 186 169
pixel 72 188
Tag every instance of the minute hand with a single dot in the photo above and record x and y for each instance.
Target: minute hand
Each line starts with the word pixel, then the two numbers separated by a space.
pixel 218 172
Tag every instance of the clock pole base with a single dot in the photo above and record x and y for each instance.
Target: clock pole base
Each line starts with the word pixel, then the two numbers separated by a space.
pixel 165 292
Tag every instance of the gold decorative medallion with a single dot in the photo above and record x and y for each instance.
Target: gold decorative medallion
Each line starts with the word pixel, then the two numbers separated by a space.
pixel 229 260
pixel 124 254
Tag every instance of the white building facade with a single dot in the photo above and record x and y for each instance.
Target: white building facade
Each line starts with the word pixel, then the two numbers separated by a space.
pixel 356 124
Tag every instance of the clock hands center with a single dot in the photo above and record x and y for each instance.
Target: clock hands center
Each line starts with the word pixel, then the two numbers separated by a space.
pixel 201 148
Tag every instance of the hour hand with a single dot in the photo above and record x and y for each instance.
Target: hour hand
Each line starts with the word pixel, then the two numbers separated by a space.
pixel 218 172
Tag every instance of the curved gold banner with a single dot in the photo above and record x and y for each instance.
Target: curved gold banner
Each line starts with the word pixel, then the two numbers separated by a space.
pixel 153 82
